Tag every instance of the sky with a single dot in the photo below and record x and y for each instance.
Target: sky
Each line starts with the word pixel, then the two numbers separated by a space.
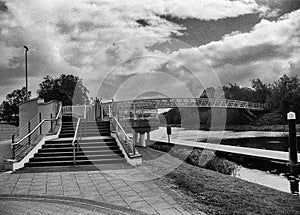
pixel 145 48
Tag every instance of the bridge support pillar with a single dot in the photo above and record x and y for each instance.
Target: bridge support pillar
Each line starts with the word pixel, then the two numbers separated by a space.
pixel 142 140
pixel 135 137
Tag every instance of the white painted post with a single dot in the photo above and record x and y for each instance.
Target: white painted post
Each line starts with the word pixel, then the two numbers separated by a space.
pixel 102 112
pixel 109 110
pixel 134 111
pixel 84 113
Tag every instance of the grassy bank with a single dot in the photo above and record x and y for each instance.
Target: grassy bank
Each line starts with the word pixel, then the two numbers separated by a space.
pixel 215 193
pixel 281 128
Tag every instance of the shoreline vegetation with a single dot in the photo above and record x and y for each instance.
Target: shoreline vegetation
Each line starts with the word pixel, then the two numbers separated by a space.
pixel 215 193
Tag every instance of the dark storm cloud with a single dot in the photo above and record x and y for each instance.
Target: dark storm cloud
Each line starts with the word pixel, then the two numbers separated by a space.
pixel 3 7
pixel 200 32
pixel 249 54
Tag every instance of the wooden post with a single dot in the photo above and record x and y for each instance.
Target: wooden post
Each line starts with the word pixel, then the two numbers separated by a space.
pixel 51 124
pixel 293 152
pixel 13 151
pixel 148 135
pixel 28 133
pixel 40 120
pixel 169 132
pixel 13 138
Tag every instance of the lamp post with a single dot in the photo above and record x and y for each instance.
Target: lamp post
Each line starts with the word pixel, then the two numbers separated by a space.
pixel 26 50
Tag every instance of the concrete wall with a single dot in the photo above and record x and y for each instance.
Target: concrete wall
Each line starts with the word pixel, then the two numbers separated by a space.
pixel 6 131
pixel 33 107
pixel 28 110
pixel 46 109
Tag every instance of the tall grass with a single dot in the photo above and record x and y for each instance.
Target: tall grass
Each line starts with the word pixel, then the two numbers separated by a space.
pixel 193 156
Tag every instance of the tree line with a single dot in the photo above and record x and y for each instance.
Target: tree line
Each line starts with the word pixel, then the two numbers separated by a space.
pixel 281 96
pixel 66 88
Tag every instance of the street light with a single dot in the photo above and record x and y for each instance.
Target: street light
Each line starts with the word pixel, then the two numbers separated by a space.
pixel 26 50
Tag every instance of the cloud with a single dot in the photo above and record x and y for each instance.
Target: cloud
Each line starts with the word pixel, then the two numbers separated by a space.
pixel 211 9
pixel 92 38
pixel 267 50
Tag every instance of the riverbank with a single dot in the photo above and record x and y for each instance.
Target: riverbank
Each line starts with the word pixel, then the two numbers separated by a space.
pixel 215 193
pixel 279 128
pixel 207 136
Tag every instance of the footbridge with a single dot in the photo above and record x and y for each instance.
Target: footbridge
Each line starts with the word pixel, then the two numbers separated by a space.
pixel 130 121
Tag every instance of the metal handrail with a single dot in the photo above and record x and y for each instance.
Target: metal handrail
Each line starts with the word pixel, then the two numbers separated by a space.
pixel 128 141
pixel 38 126
pixel 74 139
pixel 59 113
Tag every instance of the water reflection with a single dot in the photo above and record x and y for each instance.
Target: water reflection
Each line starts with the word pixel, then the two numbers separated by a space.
pixel 282 182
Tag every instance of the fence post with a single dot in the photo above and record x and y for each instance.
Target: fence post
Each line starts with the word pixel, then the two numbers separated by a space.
pixel 51 127
pixel 293 152
pixel 13 138
pixel 28 133
pixel 40 120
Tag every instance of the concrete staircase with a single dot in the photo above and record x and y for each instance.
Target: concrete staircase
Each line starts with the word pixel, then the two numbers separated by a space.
pixel 96 147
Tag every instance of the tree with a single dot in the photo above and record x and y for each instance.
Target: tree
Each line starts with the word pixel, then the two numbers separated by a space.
pixel 67 88
pixel 208 93
pixel 286 95
pixel 262 91
pixel 10 107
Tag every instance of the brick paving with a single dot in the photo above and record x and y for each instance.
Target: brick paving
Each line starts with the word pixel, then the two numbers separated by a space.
pixel 115 187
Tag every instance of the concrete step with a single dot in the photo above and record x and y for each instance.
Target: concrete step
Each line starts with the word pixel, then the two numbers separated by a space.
pixel 61 145
pixel 87 153
pixel 95 133
pixel 78 157
pixel 95 139
pixel 78 162
pixel 72 168
pixel 82 148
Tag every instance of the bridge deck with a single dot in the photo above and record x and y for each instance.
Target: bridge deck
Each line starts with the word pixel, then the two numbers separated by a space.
pixel 253 152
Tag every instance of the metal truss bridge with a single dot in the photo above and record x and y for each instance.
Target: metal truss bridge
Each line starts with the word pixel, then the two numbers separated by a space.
pixel 186 102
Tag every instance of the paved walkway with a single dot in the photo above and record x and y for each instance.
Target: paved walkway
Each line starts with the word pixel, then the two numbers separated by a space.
pixel 38 205
pixel 133 190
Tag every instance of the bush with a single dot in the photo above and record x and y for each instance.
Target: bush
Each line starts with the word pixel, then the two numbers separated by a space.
pixel 217 164
pixel 221 165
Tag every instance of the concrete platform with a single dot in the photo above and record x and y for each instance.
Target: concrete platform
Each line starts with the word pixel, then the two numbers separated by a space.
pixel 124 189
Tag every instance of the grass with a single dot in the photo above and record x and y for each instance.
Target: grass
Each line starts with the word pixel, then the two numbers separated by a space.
pixel 216 193
pixel 281 128
pixel 5 152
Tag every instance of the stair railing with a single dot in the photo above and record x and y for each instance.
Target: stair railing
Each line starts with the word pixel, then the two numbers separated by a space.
pixel 25 142
pixel 127 143
pixel 76 140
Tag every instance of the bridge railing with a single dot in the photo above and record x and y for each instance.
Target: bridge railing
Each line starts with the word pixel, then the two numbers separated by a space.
pixel 24 144
pixel 87 112
pixel 76 140
pixel 187 102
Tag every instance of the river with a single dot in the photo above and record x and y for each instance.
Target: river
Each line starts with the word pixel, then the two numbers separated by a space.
pixel 265 178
